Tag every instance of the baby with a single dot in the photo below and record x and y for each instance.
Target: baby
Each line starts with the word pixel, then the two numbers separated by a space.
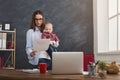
pixel 54 40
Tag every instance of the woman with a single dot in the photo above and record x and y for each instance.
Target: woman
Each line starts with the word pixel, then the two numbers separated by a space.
pixel 37 26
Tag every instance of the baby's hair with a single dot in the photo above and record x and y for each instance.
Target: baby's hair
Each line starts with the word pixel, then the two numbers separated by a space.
pixel 49 23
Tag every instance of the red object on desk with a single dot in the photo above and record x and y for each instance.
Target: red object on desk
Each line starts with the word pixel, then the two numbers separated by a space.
pixel 88 58
pixel 42 68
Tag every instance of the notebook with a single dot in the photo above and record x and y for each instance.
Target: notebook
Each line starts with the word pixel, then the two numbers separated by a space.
pixel 67 63
pixel 41 44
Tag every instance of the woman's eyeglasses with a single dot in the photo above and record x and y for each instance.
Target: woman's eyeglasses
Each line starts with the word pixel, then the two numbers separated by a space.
pixel 37 19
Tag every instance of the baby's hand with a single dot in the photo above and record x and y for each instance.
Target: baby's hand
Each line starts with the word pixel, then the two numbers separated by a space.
pixel 52 42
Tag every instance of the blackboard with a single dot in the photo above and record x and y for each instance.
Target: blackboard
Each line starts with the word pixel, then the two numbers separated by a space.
pixel 72 20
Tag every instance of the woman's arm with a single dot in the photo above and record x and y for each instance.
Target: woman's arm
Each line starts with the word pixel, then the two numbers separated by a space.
pixel 29 44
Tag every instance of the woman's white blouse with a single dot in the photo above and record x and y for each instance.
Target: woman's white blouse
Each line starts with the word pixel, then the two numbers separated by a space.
pixel 30 37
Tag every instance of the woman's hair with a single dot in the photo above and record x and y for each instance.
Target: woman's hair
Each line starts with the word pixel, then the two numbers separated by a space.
pixel 33 24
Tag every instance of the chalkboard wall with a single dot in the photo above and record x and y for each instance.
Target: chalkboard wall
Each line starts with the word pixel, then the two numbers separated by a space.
pixel 72 20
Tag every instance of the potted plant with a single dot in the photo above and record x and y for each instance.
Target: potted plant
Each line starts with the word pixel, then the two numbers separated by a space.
pixel 102 68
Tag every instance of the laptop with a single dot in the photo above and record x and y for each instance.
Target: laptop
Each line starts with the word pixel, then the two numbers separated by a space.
pixel 67 63
pixel 41 44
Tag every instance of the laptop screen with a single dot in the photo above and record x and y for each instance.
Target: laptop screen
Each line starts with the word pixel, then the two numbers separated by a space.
pixel 67 62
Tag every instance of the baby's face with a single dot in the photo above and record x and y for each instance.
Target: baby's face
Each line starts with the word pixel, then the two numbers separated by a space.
pixel 48 28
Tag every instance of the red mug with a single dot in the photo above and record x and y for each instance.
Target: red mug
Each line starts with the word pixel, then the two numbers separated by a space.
pixel 42 68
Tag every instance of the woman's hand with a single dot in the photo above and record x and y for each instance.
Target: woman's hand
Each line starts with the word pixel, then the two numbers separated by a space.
pixel 33 53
